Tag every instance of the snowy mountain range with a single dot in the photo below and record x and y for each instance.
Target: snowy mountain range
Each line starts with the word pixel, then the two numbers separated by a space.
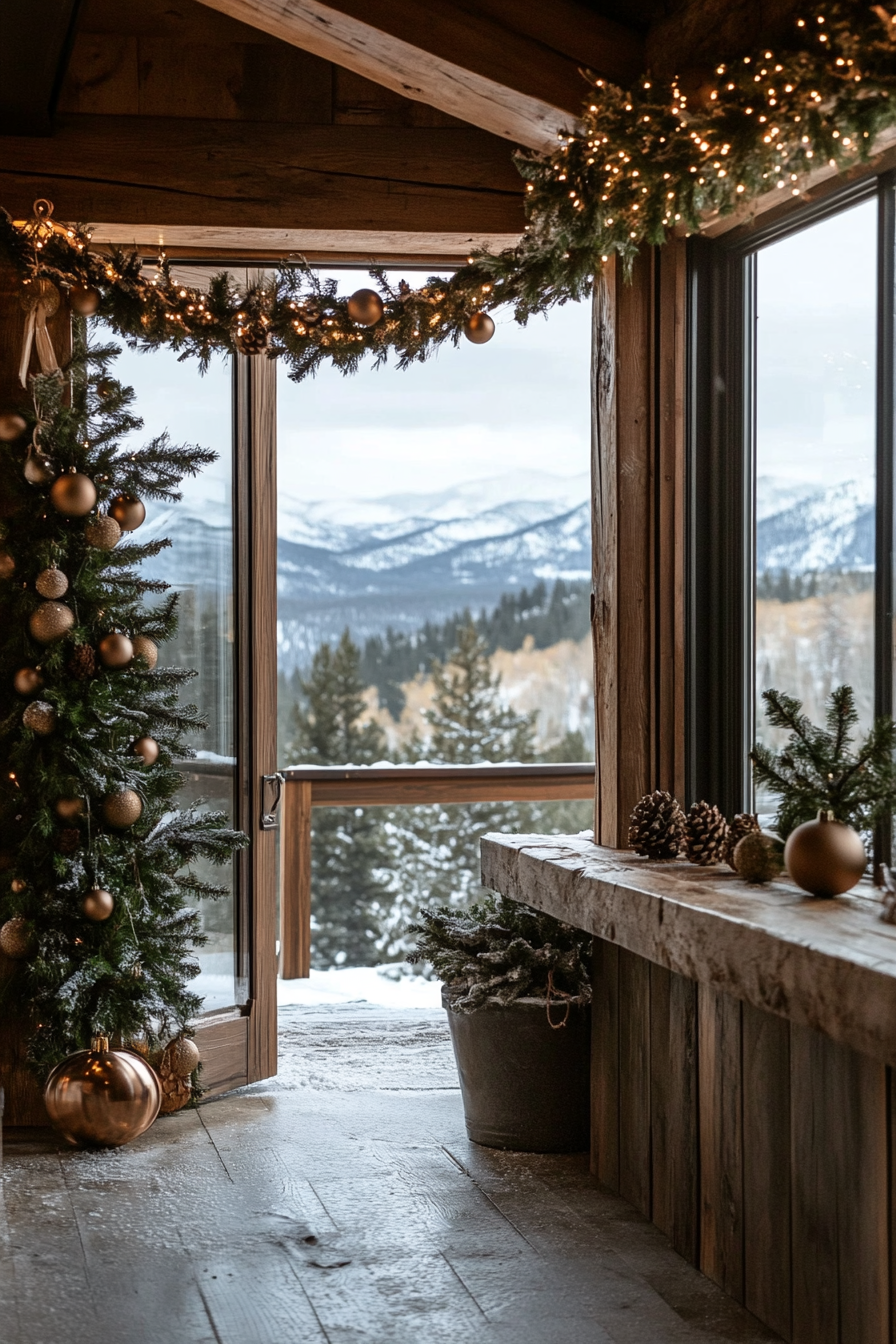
pixel 404 559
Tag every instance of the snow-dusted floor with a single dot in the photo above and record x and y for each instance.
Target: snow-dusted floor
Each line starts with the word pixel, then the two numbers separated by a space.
pixel 362 984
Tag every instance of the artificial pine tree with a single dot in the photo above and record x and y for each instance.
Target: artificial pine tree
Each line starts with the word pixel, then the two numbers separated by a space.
pixel 819 770
pixel 95 854
pixel 331 726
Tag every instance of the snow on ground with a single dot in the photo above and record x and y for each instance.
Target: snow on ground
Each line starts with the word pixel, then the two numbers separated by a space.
pixel 361 984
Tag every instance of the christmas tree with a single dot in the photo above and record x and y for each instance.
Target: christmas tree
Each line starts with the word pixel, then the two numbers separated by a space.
pixel 331 726
pixel 96 879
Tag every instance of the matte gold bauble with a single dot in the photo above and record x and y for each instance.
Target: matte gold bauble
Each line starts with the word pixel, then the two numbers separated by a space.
pixel 147 748
pixel 7 565
pixel 102 532
pixel 70 809
pixel 128 512
pixel 18 885
pixel 40 717
pixel 51 621
pixel 757 858
pixel 824 856
pixel 479 328
pixel 73 495
pixel 84 300
pixel 27 682
pixel 144 647
pixel 181 1056
pixel 102 1098
pixel 17 939
pixel 51 583
pixel 115 650
pixel 38 469
pixel 365 307
pixel 98 905
pixel 12 427
pixel 122 809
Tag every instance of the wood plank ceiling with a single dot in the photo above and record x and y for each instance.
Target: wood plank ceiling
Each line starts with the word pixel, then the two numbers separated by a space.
pixel 352 128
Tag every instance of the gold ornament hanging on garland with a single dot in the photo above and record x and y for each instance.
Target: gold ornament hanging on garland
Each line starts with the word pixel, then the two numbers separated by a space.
pixel 102 1098
pixel 27 681
pixel 84 299
pixel 17 939
pixel 40 717
pixel 365 307
pixel 128 511
pixel 12 427
pixel 102 532
pixel 51 583
pixel 98 905
pixel 51 621
pixel 147 748
pixel 70 809
pixel 479 328
pixel 38 469
pixel 147 649
pixel 115 650
pixel 73 494
pixel 7 565
pixel 122 809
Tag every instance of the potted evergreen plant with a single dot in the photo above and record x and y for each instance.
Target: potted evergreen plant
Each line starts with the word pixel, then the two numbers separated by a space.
pixel 517 990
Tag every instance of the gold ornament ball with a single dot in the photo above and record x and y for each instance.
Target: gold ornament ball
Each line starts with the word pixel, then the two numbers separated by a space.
pixel 98 905
pixel 18 885
pixel 102 532
pixel 51 621
pixel 102 1098
pixel 73 495
pixel 756 858
pixel 128 512
pixel 147 748
pixel 38 469
pixel 115 650
pixel 145 648
pixel 27 681
pixel 84 300
pixel 181 1057
pixel 51 583
pixel 12 427
pixel 122 809
pixel 365 307
pixel 40 718
pixel 7 565
pixel 17 939
pixel 824 857
pixel 479 328
pixel 70 809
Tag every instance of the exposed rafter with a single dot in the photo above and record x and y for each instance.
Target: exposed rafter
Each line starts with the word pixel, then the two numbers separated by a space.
pixel 34 46
pixel 509 77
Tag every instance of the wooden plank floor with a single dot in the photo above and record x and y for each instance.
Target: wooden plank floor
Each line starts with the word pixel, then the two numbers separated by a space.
pixel 287 1214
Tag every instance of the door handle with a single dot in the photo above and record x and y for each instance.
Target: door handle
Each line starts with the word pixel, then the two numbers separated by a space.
pixel 271 793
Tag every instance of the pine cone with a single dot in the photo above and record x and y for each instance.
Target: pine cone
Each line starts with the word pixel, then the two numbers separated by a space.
pixel 657 826
pixel 706 833
pixel 68 841
pixel 82 663
pixel 744 823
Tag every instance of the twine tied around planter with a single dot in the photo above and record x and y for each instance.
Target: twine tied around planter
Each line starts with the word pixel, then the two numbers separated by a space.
pixel 560 994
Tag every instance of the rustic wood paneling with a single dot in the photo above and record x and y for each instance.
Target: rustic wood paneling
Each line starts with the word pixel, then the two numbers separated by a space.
pixel 223 1042
pixel 604 615
pixel 673 1109
pixel 634 1080
pixel 766 1167
pixel 605 1064
pixel 295 881
pixel 721 1140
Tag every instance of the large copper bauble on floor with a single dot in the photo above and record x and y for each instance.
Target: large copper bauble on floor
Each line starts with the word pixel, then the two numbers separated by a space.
pixel 73 494
pixel 51 621
pixel 824 856
pixel 128 512
pixel 102 1098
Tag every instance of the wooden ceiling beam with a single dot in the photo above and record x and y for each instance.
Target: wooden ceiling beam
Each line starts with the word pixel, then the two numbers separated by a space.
pixel 35 40
pixel 475 62
pixel 286 186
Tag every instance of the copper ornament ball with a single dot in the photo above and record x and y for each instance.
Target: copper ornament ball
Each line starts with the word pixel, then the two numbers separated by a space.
pixel 825 857
pixel 18 885
pixel 146 648
pixel 128 511
pixel 102 532
pixel 102 1098
pixel 38 469
pixel 51 621
pixel 12 427
pixel 27 681
pixel 51 583
pixel 365 307
pixel 147 748
pixel 7 565
pixel 73 494
pixel 17 939
pixel 70 809
pixel 98 905
pixel 40 717
pixel 479 328
pixel 122 809
pixel 84 300
pixel 181 1057
pixel 115 650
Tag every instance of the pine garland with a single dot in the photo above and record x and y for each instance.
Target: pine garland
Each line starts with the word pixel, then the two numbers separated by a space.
pixel 644 163
pixel 128 975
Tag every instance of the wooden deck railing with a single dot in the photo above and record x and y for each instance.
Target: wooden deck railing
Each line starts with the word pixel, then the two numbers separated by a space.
pixel 307 787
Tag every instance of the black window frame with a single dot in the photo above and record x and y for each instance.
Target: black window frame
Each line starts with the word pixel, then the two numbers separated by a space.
pixel 720 475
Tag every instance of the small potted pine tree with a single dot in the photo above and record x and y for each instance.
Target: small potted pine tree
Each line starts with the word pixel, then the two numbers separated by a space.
pixel 517 990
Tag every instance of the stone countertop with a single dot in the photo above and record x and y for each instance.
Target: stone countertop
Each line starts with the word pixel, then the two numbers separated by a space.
pixel 828 964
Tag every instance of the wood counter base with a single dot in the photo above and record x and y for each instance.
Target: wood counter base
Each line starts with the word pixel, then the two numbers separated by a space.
pixel 759 1144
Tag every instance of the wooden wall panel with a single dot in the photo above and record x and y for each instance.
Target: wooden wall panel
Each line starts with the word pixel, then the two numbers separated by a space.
pixel 605 1064
pixel 634 1080
pixel 721 1140
pixel 673 1109
pixel 604 508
